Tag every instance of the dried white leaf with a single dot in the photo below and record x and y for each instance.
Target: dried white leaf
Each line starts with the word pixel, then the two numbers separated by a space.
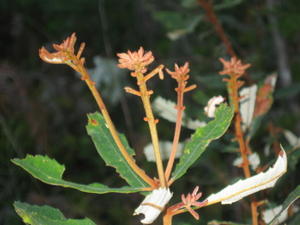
pixel 291 138
pixel 211 106
pixel 247 105
pixel 153 204
pixel 245 187
pixel 253 159
pixel 269 214
pixel 193 124
pixel 167 110
pixel 165 150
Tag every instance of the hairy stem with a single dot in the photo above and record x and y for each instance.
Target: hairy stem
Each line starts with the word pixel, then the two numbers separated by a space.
pixel 180 108
pixel 233 86
pixel 111 127
pixel 145 96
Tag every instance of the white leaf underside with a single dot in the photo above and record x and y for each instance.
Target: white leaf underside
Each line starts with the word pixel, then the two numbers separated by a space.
pixel 269 214
pixel 153 204
pixel 166 109
pixel 245 187
pixel 247 105
pixel 165 150
pixel 253 159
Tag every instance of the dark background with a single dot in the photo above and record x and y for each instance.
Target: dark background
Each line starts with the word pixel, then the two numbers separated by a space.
pixel 43 107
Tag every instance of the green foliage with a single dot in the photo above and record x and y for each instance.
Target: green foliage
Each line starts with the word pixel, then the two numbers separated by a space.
pixel 50 96
pixel 46 215
pixel 109 152
pixel 295 220
pixel 177 24
pixel 50 171
pixel 227 4
pixel 291 198
pixel 201 139
pixel 216 222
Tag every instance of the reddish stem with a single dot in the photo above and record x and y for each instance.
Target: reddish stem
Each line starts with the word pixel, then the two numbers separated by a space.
pixel 180 108
pixel 211 16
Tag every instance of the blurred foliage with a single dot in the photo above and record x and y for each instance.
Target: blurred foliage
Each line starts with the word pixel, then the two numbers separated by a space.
pixel 43 107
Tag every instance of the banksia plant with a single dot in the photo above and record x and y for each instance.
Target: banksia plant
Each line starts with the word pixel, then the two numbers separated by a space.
pixel 114 149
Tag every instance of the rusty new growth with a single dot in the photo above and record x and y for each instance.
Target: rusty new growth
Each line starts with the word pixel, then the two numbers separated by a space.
pixel 65 55
pixel 213 19
pixel 137 62
pixel 180 74
pixel 235 69
pixel 188 204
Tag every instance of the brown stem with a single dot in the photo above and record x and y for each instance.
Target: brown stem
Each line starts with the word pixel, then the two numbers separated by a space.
pixel 211 16
pixel 213 19
pixel 167 219
pixel 243 148
pixel 111 127
pixel 254 213
pixel 233 86
pixel 180 108
pixel 145 96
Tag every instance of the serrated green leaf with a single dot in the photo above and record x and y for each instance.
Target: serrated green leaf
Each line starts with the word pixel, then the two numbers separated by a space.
pixel 46 215
pixel 109 152
pixel 201 139
pixel 50 171
pixel 291 198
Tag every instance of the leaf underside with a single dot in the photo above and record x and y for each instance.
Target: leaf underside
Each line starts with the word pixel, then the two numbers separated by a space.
pixel 109 152
pixel 201 139
pixel 50 171
pixel 46 215
pixel 251 185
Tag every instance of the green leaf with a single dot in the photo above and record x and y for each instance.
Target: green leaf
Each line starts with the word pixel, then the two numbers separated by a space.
pixel 216 222
pixel 178 24
pixel 110 153
pixel 295 219
pixel 46 215
pixel 227 4
pixel 50 171
pixel 291 198
pixel 201 139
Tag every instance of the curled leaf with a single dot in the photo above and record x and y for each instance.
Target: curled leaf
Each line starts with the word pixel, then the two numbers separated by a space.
pixel 153 204
pixel 245 187
pixel 264 97
pixel 212 104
